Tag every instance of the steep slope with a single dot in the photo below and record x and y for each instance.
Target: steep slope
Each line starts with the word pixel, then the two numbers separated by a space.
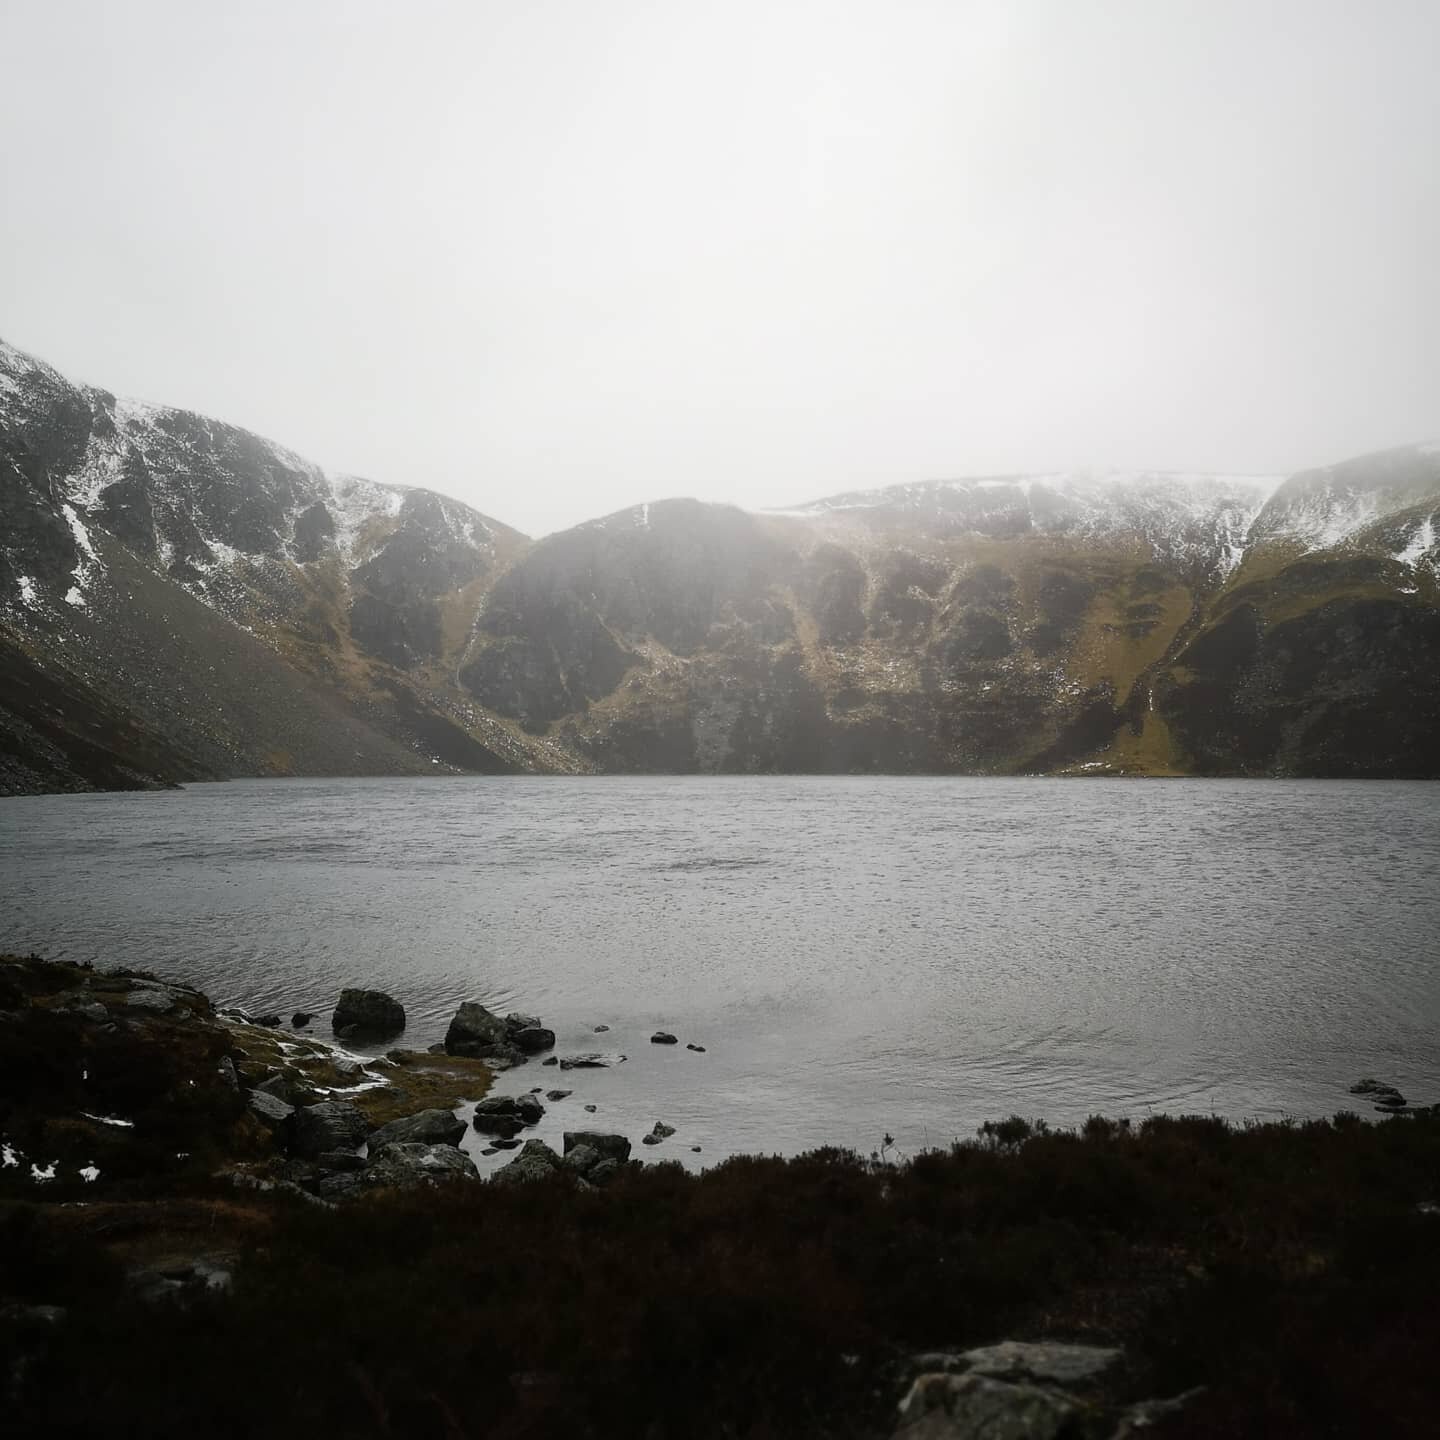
pixel 1000 624
pixel 1320 655
pixel 253 613
pixel 180 598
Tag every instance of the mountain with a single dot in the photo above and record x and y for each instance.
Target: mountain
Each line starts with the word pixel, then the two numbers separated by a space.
pixel 182 599
pixel 1144 623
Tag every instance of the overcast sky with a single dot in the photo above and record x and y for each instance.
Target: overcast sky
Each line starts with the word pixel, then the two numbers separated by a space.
pixel 560 256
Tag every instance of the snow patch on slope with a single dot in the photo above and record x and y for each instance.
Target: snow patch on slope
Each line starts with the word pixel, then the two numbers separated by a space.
pixel 1187 517
pixel 353 502
pixel 1421 543
pixel 84 572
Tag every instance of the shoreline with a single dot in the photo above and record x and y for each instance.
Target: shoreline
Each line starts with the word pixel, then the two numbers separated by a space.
pixel 1222 1267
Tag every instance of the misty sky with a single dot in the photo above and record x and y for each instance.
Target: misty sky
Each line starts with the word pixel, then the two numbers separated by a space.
pixel 560 256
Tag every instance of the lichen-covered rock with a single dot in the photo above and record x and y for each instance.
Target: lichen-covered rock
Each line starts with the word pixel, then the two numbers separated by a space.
pixel 1046 1361
pixel 367 1015
pixel 428 1127
pixel 969 1407
pixel 581 1159
pixel 269 1110
pixel 330 1125
pixel 406 1165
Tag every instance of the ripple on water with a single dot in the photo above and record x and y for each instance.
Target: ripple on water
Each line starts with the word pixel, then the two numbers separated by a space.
pixel 859 955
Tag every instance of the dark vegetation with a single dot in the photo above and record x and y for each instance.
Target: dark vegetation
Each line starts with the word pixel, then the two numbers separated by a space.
pixel 1290 1269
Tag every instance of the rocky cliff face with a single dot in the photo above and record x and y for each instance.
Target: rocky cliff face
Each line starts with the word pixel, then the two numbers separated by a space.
pixel 1126 623
pixel 183 598
pixel 236 605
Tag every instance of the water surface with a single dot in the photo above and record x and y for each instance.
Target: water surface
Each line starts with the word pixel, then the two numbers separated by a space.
pixel 858 955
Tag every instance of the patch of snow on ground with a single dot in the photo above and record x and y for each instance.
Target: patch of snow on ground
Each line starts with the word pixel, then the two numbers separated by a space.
pixel 109 1120
pixel 81 534
pixel 101 466
pixel 1421 543
pixel 84 572
pixel 27 590
pixel 40 1176
pixel 353 501
pixel 9 1156
pixel 89 1173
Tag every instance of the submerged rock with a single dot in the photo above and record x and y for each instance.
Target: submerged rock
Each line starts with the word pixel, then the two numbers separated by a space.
pixel 301 1018
pixel 663 1037
pixel 553 1095
pixel 367 1014
pixel 659 1131
pixel 590 1060
pixel 698 1049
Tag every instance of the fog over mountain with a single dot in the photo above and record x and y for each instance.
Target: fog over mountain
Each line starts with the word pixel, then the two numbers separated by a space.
pixel 558 258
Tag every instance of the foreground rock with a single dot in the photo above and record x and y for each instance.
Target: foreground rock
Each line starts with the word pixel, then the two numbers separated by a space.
pixel 536 1161
pixel 270 1110
pixel 367 1015
pixel 330 1125
pixel 429 1127
pixel 405 1166
pixel 1049 1362
pixel 1022 1390
pixel 609 1147
pixel 972 1407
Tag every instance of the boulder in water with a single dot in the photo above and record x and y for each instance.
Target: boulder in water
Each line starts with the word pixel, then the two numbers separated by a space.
pixel 367 1015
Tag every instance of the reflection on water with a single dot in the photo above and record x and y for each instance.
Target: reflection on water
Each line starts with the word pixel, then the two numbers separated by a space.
pixel 857 955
